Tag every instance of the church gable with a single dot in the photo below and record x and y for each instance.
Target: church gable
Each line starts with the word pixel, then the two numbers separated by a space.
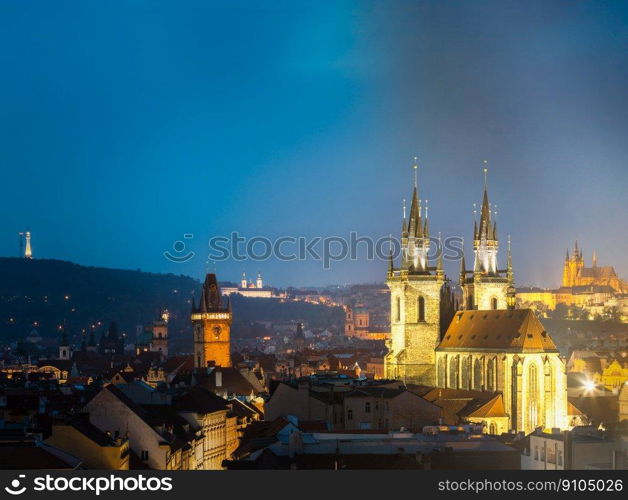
pixel 502 330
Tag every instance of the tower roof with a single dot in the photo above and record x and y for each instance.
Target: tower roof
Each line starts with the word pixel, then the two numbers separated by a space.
pixel 485 218
pixel 415 224
pixel 211 299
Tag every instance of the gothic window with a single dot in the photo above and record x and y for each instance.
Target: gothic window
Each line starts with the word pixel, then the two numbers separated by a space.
pixel 349 414
pixel 421 309
pixel 367 407
pixel 494 303
pixel 533 404
pixel 492 428
pixel 453 373
pixel 490 375
pixel 477 375
pixel 466 373
pixel 442 372
pixel 398 313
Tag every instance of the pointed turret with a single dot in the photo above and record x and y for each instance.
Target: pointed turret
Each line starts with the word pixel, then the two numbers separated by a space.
pixel 390 262
pixel 414 224
pixel 495 231
pixel 404 222
pixel 463 271
pixel 439 261
pixel 509 272
pixel 202 306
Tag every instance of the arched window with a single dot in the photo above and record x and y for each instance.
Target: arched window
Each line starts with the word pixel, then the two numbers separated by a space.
pixel 442 372
pixel 421 309
pixel 453 373
pixel 533 399
pixel 477 375
pixel 492 428
pixel 490 375
pixel 465 376
pixel 494 303
pixel 398 314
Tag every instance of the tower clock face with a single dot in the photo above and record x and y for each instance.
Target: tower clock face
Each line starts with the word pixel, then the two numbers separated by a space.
pixel 217 331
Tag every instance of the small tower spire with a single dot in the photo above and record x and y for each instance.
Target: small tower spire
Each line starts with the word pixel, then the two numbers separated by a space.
pixel 28 252
pixel 416 168
pixel 439 262
pixel 594 259
pixel 404 226
pixel 509 272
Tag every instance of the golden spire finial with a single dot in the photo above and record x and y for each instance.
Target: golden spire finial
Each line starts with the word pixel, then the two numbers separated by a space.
pixel 404 209
pixel 485 172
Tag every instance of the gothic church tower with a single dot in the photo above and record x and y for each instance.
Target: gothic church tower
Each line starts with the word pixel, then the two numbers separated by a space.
pixel 421 303
pixel 485 286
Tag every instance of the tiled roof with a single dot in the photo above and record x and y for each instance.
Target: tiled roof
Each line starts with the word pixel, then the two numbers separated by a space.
pixel 494 408
pixel 505 330
pixel 200 400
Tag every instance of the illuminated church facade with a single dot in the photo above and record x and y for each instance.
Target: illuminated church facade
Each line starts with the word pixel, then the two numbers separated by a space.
pixel 486 345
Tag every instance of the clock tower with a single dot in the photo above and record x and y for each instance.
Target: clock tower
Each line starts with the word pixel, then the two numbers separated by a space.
pixel 212 324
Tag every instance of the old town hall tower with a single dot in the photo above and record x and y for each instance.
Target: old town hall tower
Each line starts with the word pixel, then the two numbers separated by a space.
pixel 212 324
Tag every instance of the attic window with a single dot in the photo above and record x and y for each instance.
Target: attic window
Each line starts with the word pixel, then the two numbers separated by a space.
pixel 485 337
pixel 459 337
pixel 472 336
pixel 544 333
pixel 448 337
pixel 484 317
pixel 459 316
pixel 529 335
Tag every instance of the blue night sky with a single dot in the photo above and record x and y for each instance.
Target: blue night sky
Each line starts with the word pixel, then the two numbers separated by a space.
pixel 124 125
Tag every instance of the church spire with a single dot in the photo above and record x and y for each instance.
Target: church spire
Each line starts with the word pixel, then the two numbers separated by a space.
pixel 509 272
pixel 404 225
pixel 439 262
pixel 485 213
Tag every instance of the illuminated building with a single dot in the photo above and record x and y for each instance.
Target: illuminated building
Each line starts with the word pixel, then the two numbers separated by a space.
pixel 421 302
pixel 487 286
pixel 487 346
pixel 253 289
pixel 594 288
pixel 212 325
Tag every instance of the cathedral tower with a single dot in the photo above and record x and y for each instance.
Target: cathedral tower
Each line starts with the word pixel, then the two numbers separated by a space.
pixel 421 303
pixel 573 265
pixel 212 323
pixel 486 286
